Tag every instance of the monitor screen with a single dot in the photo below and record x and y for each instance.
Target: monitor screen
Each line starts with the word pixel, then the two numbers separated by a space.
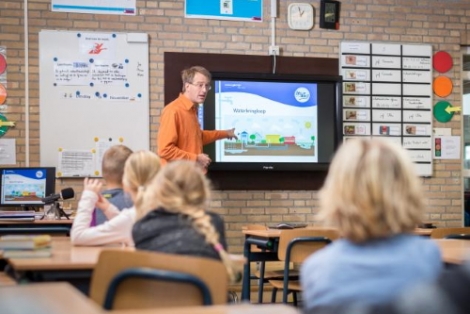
pixel 26 186
pixel 283 122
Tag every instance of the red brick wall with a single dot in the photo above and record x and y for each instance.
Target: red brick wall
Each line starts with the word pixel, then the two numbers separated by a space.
pixel 429 22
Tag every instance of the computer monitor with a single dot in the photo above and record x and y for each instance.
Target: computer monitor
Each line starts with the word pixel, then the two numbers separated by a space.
pixel 26 186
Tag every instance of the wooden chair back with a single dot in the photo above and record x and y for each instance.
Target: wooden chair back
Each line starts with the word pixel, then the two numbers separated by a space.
pixel 440 233
pixel 139 293
pixel 295 246
pixel 302 250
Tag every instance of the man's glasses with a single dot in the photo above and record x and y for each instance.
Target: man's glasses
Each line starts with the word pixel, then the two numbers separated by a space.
pixel 201 85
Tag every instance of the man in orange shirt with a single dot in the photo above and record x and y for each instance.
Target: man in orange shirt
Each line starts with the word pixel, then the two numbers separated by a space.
pixel 180 135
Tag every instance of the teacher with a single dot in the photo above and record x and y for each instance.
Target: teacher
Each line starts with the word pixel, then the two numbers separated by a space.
pixel 180 135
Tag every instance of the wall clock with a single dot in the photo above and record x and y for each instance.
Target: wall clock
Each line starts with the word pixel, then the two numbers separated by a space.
pixel 300 16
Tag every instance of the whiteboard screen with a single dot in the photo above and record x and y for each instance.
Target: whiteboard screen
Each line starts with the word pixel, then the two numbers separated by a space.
pixel 94 93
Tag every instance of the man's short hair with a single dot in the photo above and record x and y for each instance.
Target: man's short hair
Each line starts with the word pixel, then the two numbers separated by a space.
pixel 187 75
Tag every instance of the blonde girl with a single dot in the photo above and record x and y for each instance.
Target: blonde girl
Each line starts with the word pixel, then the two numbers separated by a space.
pixel 140 168
pixel 172 216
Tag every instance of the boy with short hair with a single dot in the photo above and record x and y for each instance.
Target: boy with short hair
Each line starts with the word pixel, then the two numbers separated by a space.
pixel 112 168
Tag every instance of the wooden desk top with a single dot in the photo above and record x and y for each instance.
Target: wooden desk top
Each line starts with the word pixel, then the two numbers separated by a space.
pixel 269 233
pixel 423 231
pixel 275 233
pixel 454 251
pixel 219 309
pixel 37 222
pixel 65 256
pixel 46 298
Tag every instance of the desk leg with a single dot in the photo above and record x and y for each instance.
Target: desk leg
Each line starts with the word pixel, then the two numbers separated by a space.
pixel 246 271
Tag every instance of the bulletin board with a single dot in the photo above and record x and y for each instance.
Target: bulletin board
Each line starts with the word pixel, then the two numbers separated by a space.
pixel 387 92
pixel 94 93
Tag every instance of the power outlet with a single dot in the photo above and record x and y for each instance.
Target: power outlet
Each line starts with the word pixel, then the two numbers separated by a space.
pixel 274 50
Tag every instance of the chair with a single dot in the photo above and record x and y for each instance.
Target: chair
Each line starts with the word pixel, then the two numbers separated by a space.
pixel 458 236
pixel 142 279
pixel 440 233
pixel 261 274
pixel 295 246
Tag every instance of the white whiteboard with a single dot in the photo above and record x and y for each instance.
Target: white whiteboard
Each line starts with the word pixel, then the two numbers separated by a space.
pixel 94 92
pixel 387 92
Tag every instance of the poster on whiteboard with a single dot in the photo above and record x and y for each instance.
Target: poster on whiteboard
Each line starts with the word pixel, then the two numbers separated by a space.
pixel 117 7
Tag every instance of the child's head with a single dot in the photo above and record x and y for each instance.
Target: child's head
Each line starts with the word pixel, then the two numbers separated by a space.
pixel 371 191
pixel 182 188
pixel 139 170
pixel 113 164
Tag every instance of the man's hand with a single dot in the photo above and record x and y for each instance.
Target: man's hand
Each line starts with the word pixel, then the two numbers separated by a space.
pixel 203 160
pixel 231 134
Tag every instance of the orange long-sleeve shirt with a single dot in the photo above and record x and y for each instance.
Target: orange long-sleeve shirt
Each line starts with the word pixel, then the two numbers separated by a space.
pixel 180 135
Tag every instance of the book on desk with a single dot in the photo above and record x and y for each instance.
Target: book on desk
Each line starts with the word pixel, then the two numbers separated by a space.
pixel 26 215
pixel 37 253
pixel 25 242
pixel 25 246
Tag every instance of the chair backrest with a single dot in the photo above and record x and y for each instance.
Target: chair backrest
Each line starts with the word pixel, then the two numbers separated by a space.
pixel 458 236
pixel 440 233
pixel 302 249
pixel 138 292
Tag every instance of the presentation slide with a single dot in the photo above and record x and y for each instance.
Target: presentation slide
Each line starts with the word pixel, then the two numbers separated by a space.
pixel 274 121
pixel 23 186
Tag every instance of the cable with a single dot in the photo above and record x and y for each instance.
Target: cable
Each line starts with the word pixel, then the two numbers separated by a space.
pixel 273 40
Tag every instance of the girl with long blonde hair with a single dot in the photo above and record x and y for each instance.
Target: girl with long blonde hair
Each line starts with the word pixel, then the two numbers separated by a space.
pixel 172 216
pixel 139 169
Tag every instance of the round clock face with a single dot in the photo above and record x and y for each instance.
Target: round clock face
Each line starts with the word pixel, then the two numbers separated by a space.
pixel 300 16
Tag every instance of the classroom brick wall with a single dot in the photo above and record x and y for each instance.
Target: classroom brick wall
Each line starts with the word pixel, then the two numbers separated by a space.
pixel 443 24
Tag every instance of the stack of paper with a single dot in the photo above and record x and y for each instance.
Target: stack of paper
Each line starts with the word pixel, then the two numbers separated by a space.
pixel 27 246
pixel 20 215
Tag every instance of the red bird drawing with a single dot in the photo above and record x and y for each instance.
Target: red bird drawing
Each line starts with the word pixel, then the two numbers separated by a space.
pixel 97 48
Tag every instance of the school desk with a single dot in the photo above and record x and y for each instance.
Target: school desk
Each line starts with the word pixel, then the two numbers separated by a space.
pixel 46 298
pixel 70 263
pixel 425 232
pixel 268 240
pixel 219 309
pixel 454 251
pixel 11 226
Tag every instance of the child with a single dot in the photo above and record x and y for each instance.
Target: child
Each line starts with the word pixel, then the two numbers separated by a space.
pixel 139 169
pixel 374 198
pixel 171 216
pixel 112 169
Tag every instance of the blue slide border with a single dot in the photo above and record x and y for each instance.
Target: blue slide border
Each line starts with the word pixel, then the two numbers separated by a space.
pixel 79 8
pixel 248 10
